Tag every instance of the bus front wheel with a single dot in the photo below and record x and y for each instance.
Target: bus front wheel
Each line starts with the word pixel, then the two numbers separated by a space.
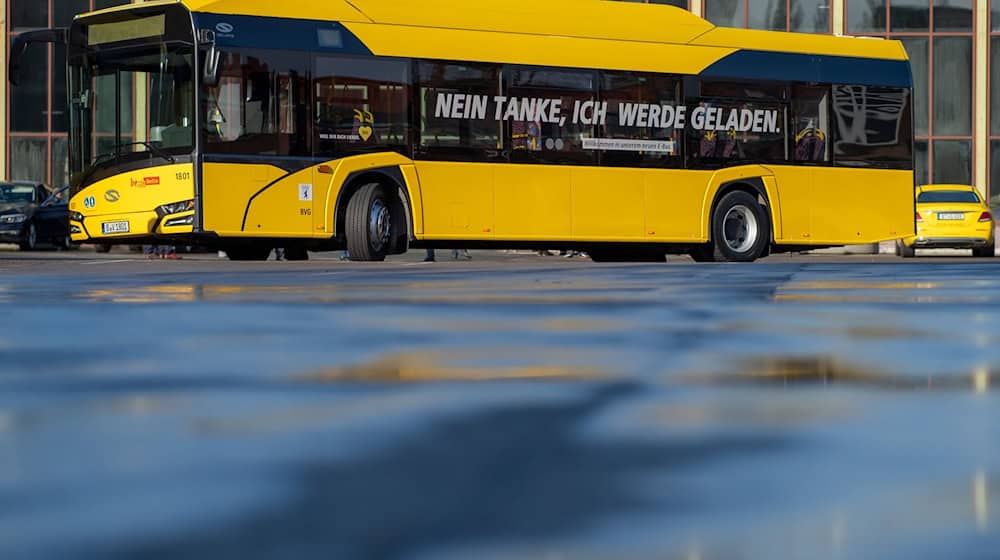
pixel 741 229
pixel 369 223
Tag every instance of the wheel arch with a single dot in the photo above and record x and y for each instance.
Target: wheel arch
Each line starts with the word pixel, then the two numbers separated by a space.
pixel 762 187
pixel 391 176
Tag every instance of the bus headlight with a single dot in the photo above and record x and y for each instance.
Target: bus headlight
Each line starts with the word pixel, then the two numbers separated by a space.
pixel 185 221
pixel 175 208
pixel 13 218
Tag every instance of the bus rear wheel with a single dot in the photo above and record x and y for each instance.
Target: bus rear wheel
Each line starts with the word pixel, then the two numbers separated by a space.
pixel 741 230
pixel 370 223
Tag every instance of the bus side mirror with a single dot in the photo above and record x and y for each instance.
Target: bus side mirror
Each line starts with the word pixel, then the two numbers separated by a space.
pixel 210 74
pixel 20 45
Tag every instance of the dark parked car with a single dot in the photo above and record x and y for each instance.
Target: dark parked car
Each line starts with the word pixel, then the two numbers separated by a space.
pixel 30 214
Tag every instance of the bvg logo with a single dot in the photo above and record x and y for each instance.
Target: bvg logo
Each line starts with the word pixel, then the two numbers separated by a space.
pixel 145 182
pixel 112 196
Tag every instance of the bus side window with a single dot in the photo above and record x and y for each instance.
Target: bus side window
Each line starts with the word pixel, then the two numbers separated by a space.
pixel 457 121
pixel 641 107
pixel 810 133
pixel 541 140
pixel 873 127
pixel 361 105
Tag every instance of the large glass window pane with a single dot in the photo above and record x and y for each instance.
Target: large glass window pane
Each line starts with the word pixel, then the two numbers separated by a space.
pixel 872 127
pixel 995 86
pixel 28 14
pixel 866 16
pixel 28 159
pixel 104 102
pixel 361 105
pixel 810 16
pixel 29 99
pixel 641 108
pixel 725 13
pixel 909 15
pixel 725 131
pixel 767 14
pixel 920 162
pixel 952 86
pixel 953 161
pixel 445 133
pixel 101 4
pixel 64 10
pixel 952 15
pixel 995 15
pixel 60 117
pixel 917 50
pixel 811 120
pixel 60 161
pixel 994 186
pixel 541 138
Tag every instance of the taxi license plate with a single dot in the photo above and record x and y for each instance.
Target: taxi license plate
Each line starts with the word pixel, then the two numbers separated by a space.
pixel 951 216
pixel 114 227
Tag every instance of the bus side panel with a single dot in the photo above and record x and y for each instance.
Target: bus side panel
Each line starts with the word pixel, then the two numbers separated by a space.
pixel 226 191
pixel 674 203
pixel 608 204
pixel 284 208
pixel 532 202
pixel 795 192
pixel 861 205
pixel 458 199
pixel 723 177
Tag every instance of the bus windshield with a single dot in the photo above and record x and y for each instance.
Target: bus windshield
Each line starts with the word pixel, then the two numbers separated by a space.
pixel 130 105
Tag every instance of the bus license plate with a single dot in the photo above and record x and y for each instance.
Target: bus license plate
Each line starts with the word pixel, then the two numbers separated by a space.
pixel 951 216
pixel 114 227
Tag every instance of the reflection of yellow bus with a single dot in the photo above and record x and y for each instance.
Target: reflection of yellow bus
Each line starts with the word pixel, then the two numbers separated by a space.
pixel 625 130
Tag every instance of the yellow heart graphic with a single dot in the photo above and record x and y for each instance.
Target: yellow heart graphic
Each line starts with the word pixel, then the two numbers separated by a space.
pixel 365 132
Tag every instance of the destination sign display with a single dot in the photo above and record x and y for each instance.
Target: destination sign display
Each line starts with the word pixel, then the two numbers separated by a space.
pixel 142 28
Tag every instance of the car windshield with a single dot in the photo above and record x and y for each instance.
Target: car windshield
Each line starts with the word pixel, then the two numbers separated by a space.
pixel 948 196
pixel 16 193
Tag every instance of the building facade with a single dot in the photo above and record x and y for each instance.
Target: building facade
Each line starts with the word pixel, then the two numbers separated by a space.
pixel 952 45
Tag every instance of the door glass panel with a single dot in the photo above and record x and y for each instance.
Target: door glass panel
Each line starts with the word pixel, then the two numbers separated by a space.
pixel 28 159
pixel 953 161
pixel 952 86
pixel 916 49
pixel 29 110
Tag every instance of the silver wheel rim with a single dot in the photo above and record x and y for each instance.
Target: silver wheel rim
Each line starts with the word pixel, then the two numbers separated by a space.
pixel 379 225
pixel 739 229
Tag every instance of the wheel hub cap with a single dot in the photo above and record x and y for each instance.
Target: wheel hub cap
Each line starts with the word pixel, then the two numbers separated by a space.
pixel 379 225
pixel 740 229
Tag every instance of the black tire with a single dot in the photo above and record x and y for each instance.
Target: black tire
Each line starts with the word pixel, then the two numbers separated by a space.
pixel 627 255
pixel 369 223
pixel 296 254
pixel 102 248
pixel 66 243
pixel 986 252
pixel 741 229
pixel 248 253
pixel 904 250
pixel 30 242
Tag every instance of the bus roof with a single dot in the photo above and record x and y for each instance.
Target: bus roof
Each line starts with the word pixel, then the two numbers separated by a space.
pixel 591 19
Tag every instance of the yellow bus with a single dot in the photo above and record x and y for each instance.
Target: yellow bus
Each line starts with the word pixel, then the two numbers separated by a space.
pixel 629 131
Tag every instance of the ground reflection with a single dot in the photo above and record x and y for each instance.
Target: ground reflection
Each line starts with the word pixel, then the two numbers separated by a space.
pixel 461 365
pixel 831 370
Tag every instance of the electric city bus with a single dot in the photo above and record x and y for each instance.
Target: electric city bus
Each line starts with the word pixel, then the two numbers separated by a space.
pixel 629 131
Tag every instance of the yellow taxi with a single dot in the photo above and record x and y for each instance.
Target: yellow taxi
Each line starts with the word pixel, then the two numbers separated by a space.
pixel 950 217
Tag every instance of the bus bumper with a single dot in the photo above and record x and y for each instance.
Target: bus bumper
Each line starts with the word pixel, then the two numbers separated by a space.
pixel 123 228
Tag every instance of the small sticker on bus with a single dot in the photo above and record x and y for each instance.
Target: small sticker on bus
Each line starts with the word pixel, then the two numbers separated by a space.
pixel 305 193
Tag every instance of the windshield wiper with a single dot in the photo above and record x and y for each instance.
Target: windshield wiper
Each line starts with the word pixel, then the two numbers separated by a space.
pixel 152 148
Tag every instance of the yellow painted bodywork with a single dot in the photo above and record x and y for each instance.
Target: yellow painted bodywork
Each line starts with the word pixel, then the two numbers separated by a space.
pixel 139 194
pixel 261 200
pixel 970 227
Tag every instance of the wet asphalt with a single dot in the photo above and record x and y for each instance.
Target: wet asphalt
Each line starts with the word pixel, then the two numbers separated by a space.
pixel 511 406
